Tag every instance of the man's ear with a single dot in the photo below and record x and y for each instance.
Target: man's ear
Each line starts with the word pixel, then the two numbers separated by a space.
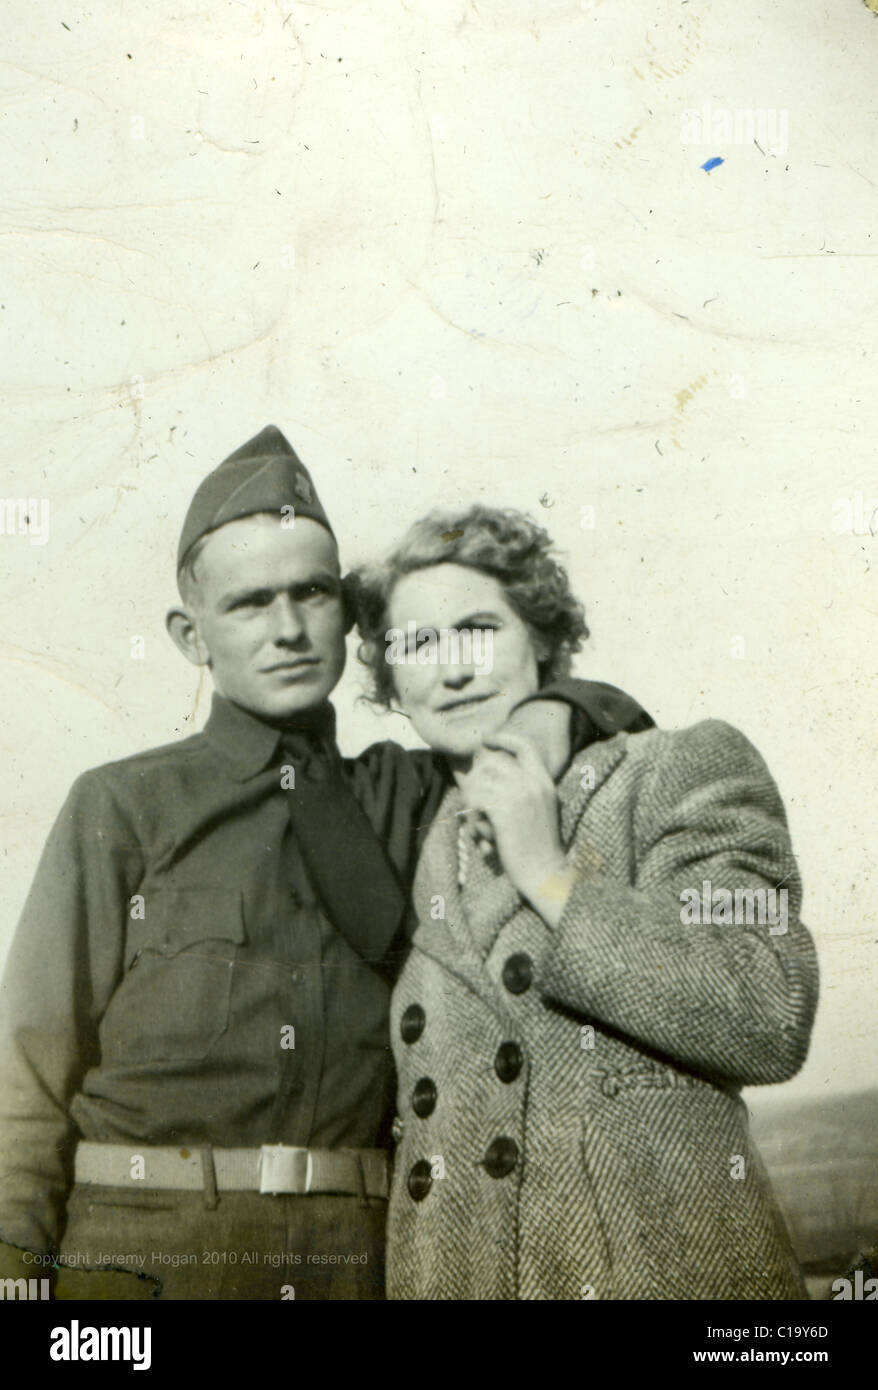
pixel 183 630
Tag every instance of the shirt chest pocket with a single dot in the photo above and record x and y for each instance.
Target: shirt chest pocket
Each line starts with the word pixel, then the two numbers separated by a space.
pixel 173 1002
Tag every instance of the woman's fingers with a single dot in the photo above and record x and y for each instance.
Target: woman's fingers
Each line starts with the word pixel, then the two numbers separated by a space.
pixel 509 743
pixel 521 748
pixel 509 784
pixel 496 776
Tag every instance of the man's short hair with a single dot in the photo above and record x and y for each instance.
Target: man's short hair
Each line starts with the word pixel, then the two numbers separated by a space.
pixel 187 579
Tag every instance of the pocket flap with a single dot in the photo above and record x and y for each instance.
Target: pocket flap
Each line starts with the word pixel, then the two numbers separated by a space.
pixel 177 918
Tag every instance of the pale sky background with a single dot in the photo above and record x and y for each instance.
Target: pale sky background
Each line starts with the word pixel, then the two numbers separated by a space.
pixel 460 252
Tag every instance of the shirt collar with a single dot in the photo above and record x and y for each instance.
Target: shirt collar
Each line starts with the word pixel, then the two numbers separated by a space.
pixel 249 743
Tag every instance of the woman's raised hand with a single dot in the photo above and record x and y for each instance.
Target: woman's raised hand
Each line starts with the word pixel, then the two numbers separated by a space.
pixel 508 783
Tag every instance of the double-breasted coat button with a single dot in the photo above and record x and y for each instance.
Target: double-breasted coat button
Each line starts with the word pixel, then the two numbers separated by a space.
pixel 411 1025
pixel 420 1180
pixel 501 1157
pixel 424 1097
pixel 508 1061
pixel 518 973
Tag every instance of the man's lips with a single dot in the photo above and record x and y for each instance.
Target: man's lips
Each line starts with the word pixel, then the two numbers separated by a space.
pixel 465 702
pixel 291 665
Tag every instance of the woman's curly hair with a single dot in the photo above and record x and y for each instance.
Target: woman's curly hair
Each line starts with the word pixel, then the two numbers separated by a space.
pixel 501 542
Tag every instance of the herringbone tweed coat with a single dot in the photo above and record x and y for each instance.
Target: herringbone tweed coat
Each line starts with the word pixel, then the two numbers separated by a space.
pixel 632 1172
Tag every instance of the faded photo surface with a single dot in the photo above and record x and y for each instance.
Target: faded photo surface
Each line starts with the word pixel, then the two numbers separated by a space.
pixel 438 529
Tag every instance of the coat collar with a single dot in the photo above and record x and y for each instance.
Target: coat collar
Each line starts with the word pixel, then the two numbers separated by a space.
pixel 449 940
pixel 249 744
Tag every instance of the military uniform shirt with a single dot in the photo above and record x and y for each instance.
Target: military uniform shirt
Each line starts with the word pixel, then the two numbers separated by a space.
pixel 174 979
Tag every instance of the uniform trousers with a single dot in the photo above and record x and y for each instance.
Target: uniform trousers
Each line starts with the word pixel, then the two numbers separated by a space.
pixel 121 1243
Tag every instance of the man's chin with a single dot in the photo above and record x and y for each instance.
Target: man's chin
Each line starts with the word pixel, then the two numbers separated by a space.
pixel 285 703
pixel 297 699
pixel 288 709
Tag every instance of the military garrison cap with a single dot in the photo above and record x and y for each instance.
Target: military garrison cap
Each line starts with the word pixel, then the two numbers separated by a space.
pixel 264 475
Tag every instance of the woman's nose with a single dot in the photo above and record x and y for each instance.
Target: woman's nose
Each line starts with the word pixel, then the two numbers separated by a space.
pixel 456 677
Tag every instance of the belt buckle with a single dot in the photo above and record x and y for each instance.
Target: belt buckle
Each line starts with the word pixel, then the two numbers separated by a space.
pixel 283 1168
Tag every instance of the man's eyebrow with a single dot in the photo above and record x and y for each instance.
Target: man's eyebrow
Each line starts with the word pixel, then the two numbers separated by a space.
pixel 325 578
pixel 319 577
pixel 244 595
pixel 262 591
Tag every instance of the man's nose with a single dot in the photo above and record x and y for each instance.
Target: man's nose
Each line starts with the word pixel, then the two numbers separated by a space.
pixel 287 623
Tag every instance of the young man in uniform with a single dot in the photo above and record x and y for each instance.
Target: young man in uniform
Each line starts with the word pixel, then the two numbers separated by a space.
pixel 195 1075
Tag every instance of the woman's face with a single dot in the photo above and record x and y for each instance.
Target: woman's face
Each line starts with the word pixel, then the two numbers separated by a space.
pixel 457 690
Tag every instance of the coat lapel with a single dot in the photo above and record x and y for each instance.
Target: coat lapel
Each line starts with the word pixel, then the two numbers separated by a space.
pixel 447 938
pixel 473 920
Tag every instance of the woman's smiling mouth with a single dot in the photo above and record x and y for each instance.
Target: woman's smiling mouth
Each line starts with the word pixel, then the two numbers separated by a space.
pixel 465 702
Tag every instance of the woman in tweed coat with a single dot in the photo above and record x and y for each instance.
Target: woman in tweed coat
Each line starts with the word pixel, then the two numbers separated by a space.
pixel 571 1033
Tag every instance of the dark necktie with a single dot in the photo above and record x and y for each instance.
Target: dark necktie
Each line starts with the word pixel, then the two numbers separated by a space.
pixel 345 859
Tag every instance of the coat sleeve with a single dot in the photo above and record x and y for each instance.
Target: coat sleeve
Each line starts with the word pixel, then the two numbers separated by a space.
pixel 400 791
pixel 598 710
pixel 735 1002
pixel 62 966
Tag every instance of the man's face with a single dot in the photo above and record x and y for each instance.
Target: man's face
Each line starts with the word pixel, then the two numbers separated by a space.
pixel 268 612
pixel 455 705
